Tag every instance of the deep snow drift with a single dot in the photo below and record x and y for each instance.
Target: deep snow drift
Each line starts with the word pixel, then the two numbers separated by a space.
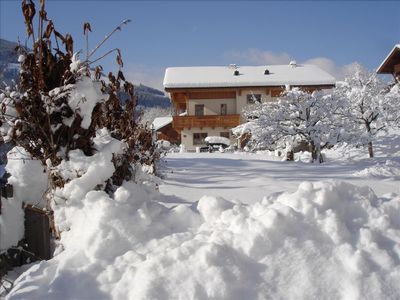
pixel 225 226
pixel 325 241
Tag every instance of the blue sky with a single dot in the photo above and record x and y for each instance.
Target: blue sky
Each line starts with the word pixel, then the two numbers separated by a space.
pixel 332 34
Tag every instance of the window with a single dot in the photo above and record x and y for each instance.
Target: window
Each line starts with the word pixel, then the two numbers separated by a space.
pixel 223 109
pixel 224 134
pixel 251 118
pixel 199 110
pixel 198 138
pixel 253 98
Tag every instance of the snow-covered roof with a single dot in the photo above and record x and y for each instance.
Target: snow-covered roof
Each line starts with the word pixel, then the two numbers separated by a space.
pixel 160 122
pixel 249 76
pixel 391 53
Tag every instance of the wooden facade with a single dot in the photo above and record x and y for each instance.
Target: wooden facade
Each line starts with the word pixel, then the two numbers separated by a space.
pixel 181 96
pixel 212 121
pixel 169 133
pixel 212 95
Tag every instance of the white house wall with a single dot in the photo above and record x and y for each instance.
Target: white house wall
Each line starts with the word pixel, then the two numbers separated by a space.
pixel 241 99
pixel 213 107
pixel 187 135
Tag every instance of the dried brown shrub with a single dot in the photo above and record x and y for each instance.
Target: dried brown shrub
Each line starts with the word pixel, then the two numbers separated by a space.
pixel 39 126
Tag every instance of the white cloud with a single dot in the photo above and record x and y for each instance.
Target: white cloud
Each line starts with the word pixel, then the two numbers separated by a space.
pixel 328 65
pixel 260 57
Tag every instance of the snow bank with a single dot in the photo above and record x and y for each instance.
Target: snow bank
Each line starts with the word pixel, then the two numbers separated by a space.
pixel 11 223
pixel 327 240
pixel 83 98
pixel 388 168
pixel 27 176
pixel 29 181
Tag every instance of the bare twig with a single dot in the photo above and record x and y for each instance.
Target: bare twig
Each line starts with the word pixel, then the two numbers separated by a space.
pixel 124 22
pixel 101 57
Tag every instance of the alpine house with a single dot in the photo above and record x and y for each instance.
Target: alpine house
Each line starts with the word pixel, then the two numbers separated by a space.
pixel 208 101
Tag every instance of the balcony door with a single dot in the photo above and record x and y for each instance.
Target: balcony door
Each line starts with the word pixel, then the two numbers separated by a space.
pixel 199 109
pixel 223 109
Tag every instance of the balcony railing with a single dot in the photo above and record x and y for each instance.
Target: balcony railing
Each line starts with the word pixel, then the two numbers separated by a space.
pixel 181 122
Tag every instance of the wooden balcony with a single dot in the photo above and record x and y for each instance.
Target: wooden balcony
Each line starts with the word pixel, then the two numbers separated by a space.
pixel 226 121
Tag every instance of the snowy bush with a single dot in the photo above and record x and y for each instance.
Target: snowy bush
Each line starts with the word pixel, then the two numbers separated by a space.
pixel 63 117
pixel 60 105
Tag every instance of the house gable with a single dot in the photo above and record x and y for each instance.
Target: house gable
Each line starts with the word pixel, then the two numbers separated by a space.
pixel 391 64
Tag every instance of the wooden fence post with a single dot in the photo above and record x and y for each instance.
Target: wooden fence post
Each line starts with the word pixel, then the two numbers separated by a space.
pixel 37 232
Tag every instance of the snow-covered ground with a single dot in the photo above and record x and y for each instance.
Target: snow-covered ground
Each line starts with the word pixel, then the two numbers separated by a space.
pixel 247 178
pixel 235 226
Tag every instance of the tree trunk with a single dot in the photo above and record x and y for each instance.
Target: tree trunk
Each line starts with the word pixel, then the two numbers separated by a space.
pixel 290 155
pixel 320 157
pixel 316 154
pixel 370 150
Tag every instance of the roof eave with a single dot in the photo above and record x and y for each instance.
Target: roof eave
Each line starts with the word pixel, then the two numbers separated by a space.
pixel 181 87
pixel 380 70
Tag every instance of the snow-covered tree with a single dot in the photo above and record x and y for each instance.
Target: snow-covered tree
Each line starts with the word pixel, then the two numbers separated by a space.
pixel 297 116
pixel 148 114
pixel 369 109
pixel 392 100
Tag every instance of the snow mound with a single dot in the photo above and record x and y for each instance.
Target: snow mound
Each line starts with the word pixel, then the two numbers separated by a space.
pixel 83 98
pixel 29 181
pixel 27 176
pixel 217 140
pixel 389 168
pixel 11 223
pixel 327 240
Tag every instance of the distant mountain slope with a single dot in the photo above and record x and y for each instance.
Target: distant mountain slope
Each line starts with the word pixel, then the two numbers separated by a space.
pixel 151 97
pixel 147 96
pixel 7 51
pixel 8 61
